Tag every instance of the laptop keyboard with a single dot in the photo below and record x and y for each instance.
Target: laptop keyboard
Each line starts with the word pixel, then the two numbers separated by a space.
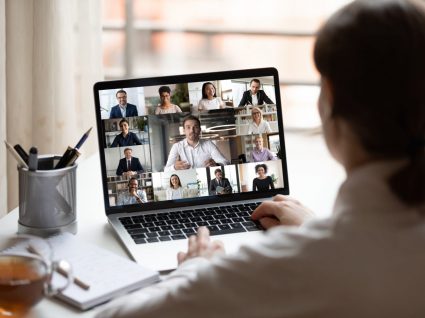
pixel 179 225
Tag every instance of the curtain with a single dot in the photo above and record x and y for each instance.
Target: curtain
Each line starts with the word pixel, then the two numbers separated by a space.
pixel 53 58
pixel 3 184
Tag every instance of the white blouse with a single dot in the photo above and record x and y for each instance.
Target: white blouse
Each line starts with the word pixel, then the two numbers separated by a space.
pixel 170 110
pixel 367 260
pixel 206 104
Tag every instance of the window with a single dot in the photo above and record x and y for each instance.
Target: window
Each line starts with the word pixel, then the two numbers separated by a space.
pixel 144 38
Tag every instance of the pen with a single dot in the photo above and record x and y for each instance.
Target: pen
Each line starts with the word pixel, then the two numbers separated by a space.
pixel 12 150
pixel 60 270
pixel 71 154
pixel 83 139
pixel 65 158
pixel 33 159
pixel 21 152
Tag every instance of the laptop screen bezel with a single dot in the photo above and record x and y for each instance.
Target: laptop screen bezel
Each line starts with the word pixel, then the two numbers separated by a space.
pixel 187 78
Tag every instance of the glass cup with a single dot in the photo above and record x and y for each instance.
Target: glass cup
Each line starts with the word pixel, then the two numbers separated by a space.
pixel 26 272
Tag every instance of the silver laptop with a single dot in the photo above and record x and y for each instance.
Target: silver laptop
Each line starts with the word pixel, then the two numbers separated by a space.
pixel 179 152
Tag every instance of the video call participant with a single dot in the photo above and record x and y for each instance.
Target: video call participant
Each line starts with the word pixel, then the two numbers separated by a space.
pixel 134 195
pixel 123 109
pixel 175 191
pixel 193 152
pixel 209 98
pixel 263 182
pixel 258 124
pixel 166 107
pixel 220 185
pixel 259 153
pixel 125 138
pixel 255 96
pixel 129 165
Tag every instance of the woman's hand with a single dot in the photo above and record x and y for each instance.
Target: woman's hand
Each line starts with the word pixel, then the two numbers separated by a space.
pixel 200 245
pixel 282 210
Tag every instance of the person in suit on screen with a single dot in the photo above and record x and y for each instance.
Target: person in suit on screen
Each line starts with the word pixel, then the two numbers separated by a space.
pixel 129 165
pixel 123 109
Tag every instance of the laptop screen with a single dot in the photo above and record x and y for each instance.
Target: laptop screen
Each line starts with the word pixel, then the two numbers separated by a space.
pixel 190 139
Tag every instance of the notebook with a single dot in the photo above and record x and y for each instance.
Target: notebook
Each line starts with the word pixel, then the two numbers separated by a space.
pixel 162 140
pixel 95 267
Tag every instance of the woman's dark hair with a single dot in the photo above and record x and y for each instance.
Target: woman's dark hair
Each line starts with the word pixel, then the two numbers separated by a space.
pixel 261 165
pixel 123 121
pixel 164 89
pixel 174 175
pixel 373 54
pixel 204 95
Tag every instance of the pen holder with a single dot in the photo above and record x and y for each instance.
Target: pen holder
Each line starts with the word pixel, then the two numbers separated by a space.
pixel 47 198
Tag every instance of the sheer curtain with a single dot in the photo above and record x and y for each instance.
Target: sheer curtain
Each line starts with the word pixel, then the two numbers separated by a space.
pixel 53 57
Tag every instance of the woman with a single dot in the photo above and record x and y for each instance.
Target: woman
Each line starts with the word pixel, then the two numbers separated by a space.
pixel 166 107
pixel 367 259
pixel 263 182
pixel 209 98
pixel 175 191
pixel 258 124
pixel 126 137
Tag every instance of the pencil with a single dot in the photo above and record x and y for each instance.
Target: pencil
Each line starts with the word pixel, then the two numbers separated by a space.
pixel 18 158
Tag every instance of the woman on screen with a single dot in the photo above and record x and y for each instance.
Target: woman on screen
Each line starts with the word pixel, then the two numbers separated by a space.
pixel 175 191
pixel 263 182
pixel 166 107
pixel 258 125
pixel 209 98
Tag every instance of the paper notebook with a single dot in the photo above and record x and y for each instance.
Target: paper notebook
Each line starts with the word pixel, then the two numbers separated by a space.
pixel 108 274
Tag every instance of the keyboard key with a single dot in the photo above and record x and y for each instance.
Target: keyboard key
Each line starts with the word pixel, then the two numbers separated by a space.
pixel 176 232
pixel 137 231
pixel 166 227
pixel 138 236
pixel 154 234
pixel 163 233
pixel 252 228
pixel 132 226
pixel 214 222
pixel 235 225
pixel 164 238
pixel 227 231
pixel 154 229
pixel 170 222
pixel 152 240
pixel 178 237
pixel 224 227
pixel 202 223
pixel 189 231
pixel 148 224
pixel 248 223
pixel 213 228
pixel 227 221
pixel 159 223
pixel 179 226
pixel 140 241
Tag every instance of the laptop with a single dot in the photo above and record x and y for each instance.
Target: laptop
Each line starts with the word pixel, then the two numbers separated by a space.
pixel 179 152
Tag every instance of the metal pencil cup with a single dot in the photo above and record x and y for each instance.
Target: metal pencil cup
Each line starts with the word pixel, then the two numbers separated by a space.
pixel 47 198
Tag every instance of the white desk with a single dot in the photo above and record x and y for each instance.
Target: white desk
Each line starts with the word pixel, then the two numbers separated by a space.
pixel 313 178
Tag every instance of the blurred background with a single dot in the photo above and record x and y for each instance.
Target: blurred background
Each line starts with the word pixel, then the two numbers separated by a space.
pixel 53 51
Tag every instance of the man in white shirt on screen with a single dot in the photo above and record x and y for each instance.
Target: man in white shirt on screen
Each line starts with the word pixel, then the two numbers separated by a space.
pixel 193 152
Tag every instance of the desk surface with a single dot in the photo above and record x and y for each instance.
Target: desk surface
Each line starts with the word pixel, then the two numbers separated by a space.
pixel 314 179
